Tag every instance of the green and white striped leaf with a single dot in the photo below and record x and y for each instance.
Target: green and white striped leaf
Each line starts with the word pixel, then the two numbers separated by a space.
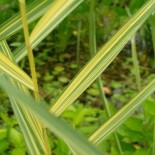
pixel 14 24
pixel 57 12
pixel 102 59
pixel 30 126
pixel 116 120
pixel 55 125
pixel 8 67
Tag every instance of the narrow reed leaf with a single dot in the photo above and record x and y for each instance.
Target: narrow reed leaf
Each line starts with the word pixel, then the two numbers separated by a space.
pixel 116 120
pixel 135 63
pixel 29 48
pixel 52 17
pixel 102 59
pixel 57 12
pixel 14 24
pixel 32 67
pixel 92 29
pixel 55 125
pixel 30 126
pixel 92 48
pixel 8 67
pixel 134 57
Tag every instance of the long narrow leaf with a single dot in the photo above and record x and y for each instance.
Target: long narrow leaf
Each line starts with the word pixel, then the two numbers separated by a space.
pixel 30 126
pixel 57 12
pixel 54 124
pixel 32 66
pixel 14 71
pixel 14 24
pixel 135 62
pixel 92 47
pixel 116 120
pixel 102 59
pixel 29 48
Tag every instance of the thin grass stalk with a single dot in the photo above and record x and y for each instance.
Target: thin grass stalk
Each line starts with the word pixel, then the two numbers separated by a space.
pixel 32 66
pixel 92 48
pixel 105 102
pixel 29 48
pixel 135 63
pixel 92 29
pixel 134 57
pixel 93 51
pixel 116 120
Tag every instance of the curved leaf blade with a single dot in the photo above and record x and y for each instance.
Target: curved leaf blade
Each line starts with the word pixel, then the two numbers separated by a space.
pixel 116 120
pixel 8 67
pixel 31 127
pixel 57 12
pixel 102 59
pixel 14 24
pixel 57 126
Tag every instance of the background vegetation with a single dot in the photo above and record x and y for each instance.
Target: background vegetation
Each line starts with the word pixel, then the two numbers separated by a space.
pixel 62 54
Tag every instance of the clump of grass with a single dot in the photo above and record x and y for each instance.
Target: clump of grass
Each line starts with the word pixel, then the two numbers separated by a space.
pixel 32 117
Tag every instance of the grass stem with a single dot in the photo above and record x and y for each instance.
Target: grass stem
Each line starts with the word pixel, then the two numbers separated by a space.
pixel 134 57
pixel 32 66
pixel 92 48
pixel 29 48
pixel 135 62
